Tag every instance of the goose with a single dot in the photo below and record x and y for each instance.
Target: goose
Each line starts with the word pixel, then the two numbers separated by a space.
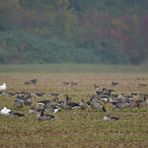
pixel 37 109
pixel 56 109
pixel 96 105
pixel 10 94
pixel 25 97
pixel 54 96
pixel 70 83
pixel 38 94
pixel 18 103
pixel 27 101
pixel 83 104
pixel 114 83
pixel 33 81
pixel 73 83
pixel 34 110
pixel 42 117
pixel 121 105
pixel 3 87
pixel 65 83
pixel 104 99
pixel 142 85
pixel 70 104
pixel 45 102
pixel 16 114
pixel 138 103
pixel 62 104
pixel 5 111
pixel 40 106
pixel 50 105
pixel 97 87
pixel 110 118
pixel 53 106
pixel 104 93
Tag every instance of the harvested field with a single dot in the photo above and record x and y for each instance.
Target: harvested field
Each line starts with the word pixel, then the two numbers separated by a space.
pixel 74 128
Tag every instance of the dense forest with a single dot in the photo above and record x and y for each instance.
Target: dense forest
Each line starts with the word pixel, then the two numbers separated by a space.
pixel 74 31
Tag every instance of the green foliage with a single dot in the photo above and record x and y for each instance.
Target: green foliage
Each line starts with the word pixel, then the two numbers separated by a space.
pixel 27 48
pixel 81 31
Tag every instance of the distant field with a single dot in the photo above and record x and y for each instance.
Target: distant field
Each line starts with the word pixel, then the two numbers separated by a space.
pixel 75 128
pixel 80 68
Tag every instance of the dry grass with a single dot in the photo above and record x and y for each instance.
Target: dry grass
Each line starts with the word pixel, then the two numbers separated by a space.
pixel 76 128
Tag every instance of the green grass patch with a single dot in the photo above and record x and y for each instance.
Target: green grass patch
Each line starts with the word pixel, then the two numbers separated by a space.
pixel 70 68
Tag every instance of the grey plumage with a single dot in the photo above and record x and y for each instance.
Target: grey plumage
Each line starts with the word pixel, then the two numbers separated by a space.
pixel 42 117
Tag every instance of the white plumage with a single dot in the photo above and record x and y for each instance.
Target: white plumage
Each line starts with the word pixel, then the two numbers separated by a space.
pixel 3 87
pixel 5 111
pixel 105 118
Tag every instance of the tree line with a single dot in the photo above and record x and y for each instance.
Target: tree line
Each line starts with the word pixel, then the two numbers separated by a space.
pixel 107 30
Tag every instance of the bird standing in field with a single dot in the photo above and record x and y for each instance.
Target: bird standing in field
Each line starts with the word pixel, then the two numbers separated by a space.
pixel 5 111
pixel 3 87
pixel 43 117
pixel 110 118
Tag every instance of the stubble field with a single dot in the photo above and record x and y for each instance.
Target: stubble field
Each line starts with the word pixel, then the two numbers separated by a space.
pixel 74 128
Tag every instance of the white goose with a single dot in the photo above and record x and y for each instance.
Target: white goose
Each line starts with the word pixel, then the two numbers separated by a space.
pixel 3 87
pixel 5 111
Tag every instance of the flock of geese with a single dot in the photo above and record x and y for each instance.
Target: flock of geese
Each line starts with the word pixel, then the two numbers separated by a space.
pixel 45 109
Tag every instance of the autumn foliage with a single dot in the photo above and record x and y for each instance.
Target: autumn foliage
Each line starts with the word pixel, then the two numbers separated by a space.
pixel 103 31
